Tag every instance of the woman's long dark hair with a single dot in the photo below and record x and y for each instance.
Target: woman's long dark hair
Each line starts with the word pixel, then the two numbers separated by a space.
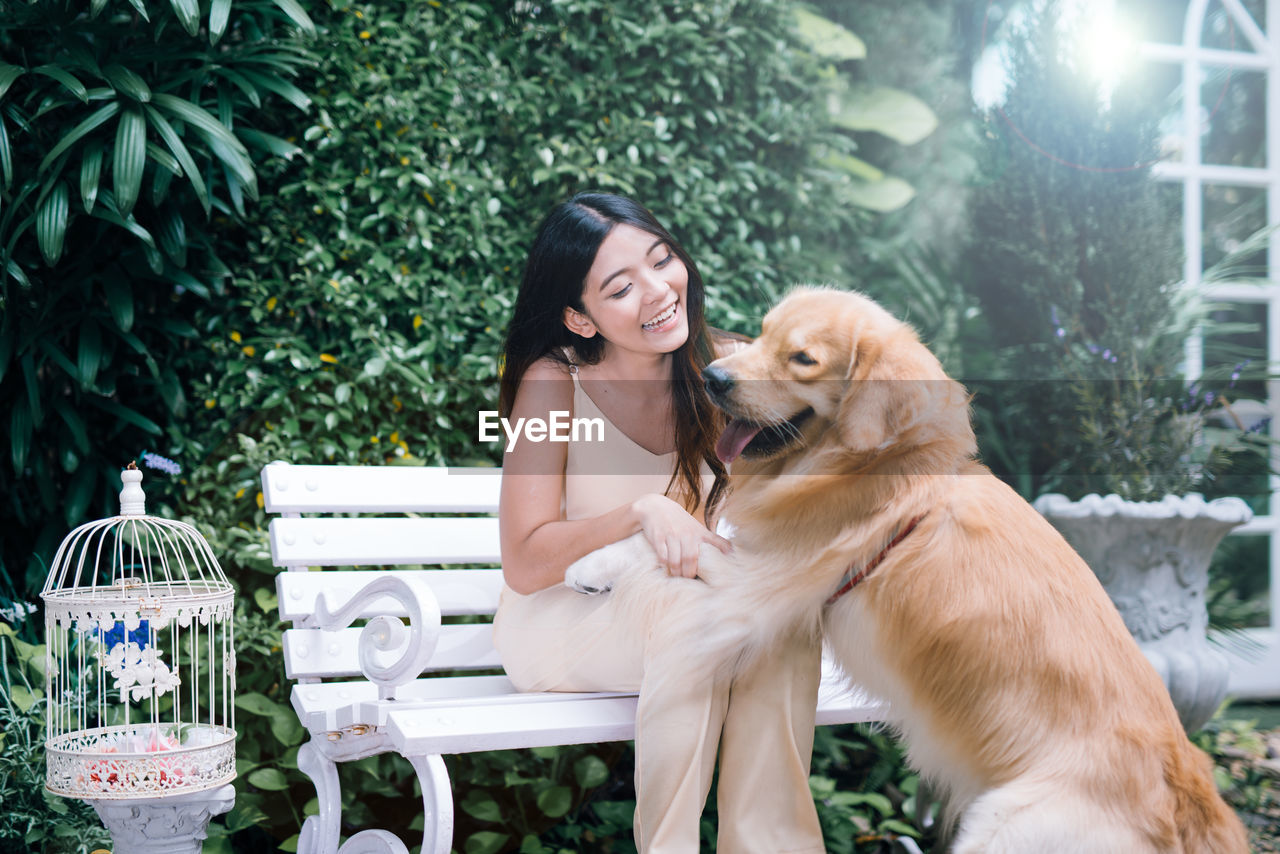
pixel 554 277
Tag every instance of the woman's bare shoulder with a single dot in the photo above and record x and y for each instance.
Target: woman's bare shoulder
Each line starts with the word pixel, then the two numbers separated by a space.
pixel 545 386
pixel 547 369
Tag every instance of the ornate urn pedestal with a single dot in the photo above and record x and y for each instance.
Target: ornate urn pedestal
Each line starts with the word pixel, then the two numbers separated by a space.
pixel 1153 559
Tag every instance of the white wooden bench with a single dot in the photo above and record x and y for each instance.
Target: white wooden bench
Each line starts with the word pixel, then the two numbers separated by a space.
pixel 365 691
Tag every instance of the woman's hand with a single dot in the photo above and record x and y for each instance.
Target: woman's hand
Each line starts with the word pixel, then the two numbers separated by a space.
pixel 674 534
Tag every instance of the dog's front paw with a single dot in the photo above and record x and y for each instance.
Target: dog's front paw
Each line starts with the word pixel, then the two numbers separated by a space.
pixel 598 571
pixel 590 574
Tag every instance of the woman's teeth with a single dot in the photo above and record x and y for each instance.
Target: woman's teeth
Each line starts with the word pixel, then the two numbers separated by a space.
pixel 660 319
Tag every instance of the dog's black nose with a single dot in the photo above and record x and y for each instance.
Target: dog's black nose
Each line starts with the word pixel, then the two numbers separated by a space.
pixel 717 380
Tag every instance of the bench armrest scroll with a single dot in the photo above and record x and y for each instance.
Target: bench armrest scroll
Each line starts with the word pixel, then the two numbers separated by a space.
pixel 391 653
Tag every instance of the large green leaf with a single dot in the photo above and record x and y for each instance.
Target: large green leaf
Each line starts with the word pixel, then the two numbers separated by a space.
pixel 89 352
pixel 90 174
pixel 124 413
pixel 51 223
pixel 198 118
pixel 173 235
pixel 8 74
pixel 175 144
pixel 19 435
pixel 94 121
pixel 78 495
pixel 282 87
pixel 887 194
pixel 129 158
pixel 108 212
pixel 188 12
pixel 66 78
pixel 827 38
pixel 75 424
pixel 269 143
pixel 119 301
pixel 297 14
pixel 891 112
pixel 219 13
pixel 127 82
pixel 6 156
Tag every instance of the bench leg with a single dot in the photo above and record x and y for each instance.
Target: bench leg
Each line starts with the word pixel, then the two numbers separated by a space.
pixel 437 804
pixel 320 832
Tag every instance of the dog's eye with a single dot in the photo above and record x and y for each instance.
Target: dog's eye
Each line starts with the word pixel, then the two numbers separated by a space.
pixel 800 357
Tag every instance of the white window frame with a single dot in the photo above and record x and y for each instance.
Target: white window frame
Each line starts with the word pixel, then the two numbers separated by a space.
pixel 1255 673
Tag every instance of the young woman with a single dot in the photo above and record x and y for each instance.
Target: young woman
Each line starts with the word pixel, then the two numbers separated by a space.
pixel 608 325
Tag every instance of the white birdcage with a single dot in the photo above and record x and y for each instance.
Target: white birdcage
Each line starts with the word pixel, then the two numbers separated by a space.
pixel 141 667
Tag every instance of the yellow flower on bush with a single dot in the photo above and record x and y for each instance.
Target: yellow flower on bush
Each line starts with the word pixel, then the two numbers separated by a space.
pixel 235 336
pixel 240 493
pixel 417 321
pixel 325 357
pixel 210 403
pixel 248 350
pixel 365 34
pixel 272 303
pixel 404 161
pixel 395 437
pixel 373 440
pixel 259 500
pixel 377 124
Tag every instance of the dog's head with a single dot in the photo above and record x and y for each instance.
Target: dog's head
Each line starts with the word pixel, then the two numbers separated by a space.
pixel 827 357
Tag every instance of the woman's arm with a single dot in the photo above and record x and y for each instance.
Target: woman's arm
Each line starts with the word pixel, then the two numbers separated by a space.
pixel 537 544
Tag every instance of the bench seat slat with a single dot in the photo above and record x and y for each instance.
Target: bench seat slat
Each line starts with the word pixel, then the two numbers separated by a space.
pixel 383 541
pixel 328 706
pixel 552 721
pixel 317 653
pixel 459 591
pixel 324 707
pixel 379 489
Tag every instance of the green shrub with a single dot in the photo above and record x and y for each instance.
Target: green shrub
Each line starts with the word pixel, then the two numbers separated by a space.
pixel 123 127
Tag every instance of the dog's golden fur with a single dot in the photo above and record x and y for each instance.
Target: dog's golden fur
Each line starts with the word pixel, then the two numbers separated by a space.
pixel 1007 669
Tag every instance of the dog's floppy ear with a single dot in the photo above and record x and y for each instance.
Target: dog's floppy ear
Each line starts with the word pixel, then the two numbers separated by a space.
pixel 895 385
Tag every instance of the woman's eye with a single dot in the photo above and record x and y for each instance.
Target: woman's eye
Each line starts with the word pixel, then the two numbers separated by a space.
pixel 802 358
pixel 665 261
pixel 618 294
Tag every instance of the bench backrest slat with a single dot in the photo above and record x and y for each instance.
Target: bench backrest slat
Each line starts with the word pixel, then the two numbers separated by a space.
pixel 379 489
pixel 315 653
pixel 383 541
pixel 459 591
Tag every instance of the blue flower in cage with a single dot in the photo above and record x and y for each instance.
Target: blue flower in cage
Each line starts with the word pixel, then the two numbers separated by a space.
pixel 117 635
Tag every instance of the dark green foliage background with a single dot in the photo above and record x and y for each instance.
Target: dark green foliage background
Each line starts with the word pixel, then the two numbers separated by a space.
pixel 401 154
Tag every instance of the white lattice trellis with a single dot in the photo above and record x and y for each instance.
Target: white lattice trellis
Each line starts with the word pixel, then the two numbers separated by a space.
pixel 1257 672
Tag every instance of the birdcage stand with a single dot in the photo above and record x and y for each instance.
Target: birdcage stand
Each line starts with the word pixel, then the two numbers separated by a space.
pixel 177 824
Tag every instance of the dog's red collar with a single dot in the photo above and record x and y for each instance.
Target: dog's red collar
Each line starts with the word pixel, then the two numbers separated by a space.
pixel 851 578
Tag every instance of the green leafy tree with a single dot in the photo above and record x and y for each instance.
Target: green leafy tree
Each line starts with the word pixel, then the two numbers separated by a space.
pixel 124 128
pixel 1075 262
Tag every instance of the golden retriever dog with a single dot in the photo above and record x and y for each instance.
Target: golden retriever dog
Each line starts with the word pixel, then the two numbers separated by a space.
pixel 860 513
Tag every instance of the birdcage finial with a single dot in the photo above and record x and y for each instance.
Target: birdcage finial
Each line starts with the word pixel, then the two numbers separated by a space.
pixel 132 500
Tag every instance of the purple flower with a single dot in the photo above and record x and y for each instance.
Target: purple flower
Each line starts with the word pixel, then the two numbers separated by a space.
pixel 159 463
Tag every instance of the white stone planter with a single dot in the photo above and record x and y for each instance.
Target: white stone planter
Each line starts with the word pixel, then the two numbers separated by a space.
pixel 1153 559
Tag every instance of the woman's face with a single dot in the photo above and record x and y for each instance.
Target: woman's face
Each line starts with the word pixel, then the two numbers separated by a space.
pixel 634 294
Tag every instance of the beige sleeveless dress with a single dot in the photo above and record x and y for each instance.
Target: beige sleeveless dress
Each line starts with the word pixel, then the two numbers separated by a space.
pixel 560 640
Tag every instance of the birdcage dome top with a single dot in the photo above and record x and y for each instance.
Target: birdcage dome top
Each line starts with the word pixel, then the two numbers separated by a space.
pixel 135 564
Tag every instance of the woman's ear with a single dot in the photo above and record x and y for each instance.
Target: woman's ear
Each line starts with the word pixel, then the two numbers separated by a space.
pixel 578 323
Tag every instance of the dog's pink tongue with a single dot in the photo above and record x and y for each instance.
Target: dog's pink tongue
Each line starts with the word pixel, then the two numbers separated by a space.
pixel 734 438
